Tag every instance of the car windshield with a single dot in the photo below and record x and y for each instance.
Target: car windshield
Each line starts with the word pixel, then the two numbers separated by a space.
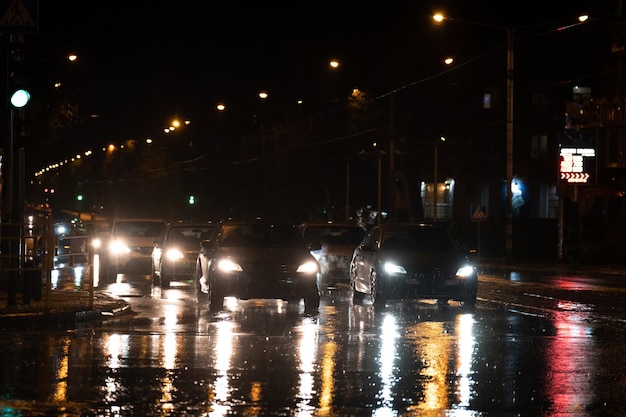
pixel 334 235
pixel 421 239
pixel 140 229
pixel 260 235
pixel 188 235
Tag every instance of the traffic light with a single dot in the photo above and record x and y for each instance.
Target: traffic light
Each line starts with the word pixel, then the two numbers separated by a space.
pixel 18 73
pixel 191 200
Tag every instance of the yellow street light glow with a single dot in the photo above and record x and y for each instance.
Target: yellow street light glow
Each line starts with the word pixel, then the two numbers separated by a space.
pixel 334 64
pixel 263 95
pixel 175 123
pixel 220 107
pixel 448 61
pixel 72 57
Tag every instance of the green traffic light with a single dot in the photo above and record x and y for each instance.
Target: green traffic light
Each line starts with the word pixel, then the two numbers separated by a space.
pixel 20 98
pixel 79 197
pixel 191 200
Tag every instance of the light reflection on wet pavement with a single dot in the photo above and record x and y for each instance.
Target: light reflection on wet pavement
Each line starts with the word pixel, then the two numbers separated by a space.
pixel 266 357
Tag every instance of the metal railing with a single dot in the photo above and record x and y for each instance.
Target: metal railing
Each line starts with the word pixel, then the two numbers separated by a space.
pixel 30 254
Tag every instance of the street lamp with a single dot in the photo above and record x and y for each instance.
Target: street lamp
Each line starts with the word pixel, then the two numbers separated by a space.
pixel 438 18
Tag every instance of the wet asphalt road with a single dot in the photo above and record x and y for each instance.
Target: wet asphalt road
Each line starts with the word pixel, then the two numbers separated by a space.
pixel 542 346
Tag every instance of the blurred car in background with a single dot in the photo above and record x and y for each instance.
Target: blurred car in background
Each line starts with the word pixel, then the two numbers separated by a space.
pixel 333 245
pixel 175 253
pixel 257 259
pixel 130 245
pixel 412 261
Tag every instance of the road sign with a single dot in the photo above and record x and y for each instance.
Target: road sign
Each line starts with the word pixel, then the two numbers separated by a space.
pixel 478 213
pixel 577 151
pixel 19 16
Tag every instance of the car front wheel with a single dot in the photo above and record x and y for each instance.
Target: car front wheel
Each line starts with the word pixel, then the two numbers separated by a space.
pixel 216 297
pixel 312 301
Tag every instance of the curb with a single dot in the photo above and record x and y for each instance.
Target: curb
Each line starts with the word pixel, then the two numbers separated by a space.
pixel 61 319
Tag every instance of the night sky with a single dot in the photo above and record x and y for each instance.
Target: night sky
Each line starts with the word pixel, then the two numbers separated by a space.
pixel 142 62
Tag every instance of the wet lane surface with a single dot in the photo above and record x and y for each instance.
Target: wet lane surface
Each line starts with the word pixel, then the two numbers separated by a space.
pixel 260 357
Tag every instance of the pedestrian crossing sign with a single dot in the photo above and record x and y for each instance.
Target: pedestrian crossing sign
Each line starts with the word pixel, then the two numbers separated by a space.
pixel 19 16
pixel 478 213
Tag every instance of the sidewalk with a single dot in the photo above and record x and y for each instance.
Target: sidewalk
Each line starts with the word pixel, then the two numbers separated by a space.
pixel 63 307
pixel 489 265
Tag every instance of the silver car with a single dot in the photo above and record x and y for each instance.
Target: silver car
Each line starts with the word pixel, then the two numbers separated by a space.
pixel 412 261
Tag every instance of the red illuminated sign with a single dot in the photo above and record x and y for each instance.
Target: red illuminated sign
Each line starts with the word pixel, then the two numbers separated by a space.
pixel 574 166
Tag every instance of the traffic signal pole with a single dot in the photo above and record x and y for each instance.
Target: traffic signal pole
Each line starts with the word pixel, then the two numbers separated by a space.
pixel 13 178
pixel 7 185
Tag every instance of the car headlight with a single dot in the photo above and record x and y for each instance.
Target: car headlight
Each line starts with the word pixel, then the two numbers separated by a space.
pixel 116 247
pixel 393 268
pixel 465 271
pixel 308 267
pixel 174 254
pixel 227 265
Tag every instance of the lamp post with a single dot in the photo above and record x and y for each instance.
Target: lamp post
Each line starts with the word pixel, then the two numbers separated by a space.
pixel 263 96
pixel 435 179
pixel 347 208
pixel 438 18
pixel 509 127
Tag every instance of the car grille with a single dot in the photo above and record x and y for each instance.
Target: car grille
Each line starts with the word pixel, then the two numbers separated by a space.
pixel 431 275
pixel 268 269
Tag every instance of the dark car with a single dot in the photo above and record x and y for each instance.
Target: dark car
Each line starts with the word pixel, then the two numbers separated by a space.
pixel 412 261
pixel 333 245
pixel 175 254
pixel 257 259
